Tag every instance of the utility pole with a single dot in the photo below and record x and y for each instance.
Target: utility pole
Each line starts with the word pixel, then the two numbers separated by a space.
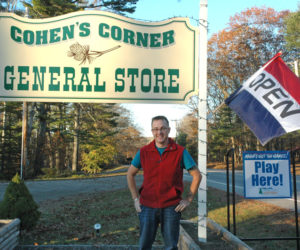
pixel 24 130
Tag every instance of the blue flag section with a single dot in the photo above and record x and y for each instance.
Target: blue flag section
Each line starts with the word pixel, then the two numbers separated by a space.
pixel 267 174
pixel 269 101
pixel 262 123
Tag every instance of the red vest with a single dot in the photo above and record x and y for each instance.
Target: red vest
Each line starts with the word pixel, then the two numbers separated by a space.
pixel 163 184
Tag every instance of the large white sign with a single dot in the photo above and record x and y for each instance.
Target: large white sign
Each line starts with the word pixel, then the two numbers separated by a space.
pixel 95 56
pixel 267 174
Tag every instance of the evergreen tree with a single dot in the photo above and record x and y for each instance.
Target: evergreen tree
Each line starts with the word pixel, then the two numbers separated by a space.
pixel 292 34
pixel 18 203
pixel 10 142
pixel 119 6
pixel 50 8
pixel 98 127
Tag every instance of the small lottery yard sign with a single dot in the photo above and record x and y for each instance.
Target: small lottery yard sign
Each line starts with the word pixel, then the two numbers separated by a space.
pixel 267 174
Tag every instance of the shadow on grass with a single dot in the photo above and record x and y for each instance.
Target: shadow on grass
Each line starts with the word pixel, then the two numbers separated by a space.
pixel 71 220
pixel 254 219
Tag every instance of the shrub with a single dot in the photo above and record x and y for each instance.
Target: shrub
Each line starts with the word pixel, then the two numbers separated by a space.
pixel 95 160
pixel 19 203
pixel 49 172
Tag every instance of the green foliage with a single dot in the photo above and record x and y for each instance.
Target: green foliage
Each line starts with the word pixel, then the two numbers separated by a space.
pixel 18 203
pixel 49 173
pixel 50 8
pixel 188 135
pixel 95 160
pixel 181 139
pixel 10 138
pixel 234 54
pixel 292 34
pixel 119 6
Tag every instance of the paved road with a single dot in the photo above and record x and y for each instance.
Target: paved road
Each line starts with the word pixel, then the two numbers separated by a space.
pixel 52 190
pixel 217 179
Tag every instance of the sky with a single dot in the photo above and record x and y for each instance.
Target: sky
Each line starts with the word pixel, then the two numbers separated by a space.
pixel 219 13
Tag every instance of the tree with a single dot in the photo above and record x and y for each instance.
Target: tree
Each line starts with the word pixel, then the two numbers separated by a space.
pixel 120 6
pixel 50 8
pixel 19 203
pixel 58 140
pixel 62 136
pixel 235 53
pixel 251 38
pixel 75 159
pixel 129 138
pixel 187 134
pixel 8 6
pixel 10 142
pixel 98 127
pixel 292 33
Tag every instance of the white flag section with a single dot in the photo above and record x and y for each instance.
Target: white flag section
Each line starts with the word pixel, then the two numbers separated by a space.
pixel 269 101
pixel 96 56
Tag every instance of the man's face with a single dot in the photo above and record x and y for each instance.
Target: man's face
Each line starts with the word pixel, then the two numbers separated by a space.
pixel 160 131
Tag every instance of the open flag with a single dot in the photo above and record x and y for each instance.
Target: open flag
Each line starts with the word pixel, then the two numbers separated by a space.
pixel 269 101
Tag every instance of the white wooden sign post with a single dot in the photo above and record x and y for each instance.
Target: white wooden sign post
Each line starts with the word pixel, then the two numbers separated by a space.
pixel 202 120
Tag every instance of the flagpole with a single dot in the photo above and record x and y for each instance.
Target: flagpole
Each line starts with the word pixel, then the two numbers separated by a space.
pixel 202 119
pixel 296 68
pixel 24 139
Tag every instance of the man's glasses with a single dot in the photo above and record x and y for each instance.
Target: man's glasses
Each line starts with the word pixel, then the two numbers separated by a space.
pixel 156 130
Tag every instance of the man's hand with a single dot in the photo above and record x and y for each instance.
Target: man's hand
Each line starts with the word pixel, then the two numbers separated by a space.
pixel 137 205
pixel 131 173
pixel 183 204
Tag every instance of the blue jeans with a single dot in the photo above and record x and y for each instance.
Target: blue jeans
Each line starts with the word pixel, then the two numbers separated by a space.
pixel 149 221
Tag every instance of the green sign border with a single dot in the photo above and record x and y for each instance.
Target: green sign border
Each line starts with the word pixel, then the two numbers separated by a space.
pixel 166 22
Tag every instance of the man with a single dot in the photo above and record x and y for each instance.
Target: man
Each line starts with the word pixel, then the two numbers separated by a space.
pixel 159 199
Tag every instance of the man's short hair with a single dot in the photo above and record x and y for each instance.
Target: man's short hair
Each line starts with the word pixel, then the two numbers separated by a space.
pixel 160 117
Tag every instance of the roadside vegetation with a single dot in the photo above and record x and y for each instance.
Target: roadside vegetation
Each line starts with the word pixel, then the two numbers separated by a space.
pixel 71 220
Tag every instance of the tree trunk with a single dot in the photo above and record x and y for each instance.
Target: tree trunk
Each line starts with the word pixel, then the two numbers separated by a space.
pixel 76 138
pixel 236 160
pixel 24 140
pixel 51 152
pixel 57 159
pixel 258 147
pixel 31 113
pixel 59 153
pixel 3 137
pixel 41 139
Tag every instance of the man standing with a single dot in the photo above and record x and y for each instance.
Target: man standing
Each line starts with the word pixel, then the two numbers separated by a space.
pixel 159 199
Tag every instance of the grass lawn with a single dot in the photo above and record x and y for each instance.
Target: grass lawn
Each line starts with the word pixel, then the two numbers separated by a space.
pixel 71 220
